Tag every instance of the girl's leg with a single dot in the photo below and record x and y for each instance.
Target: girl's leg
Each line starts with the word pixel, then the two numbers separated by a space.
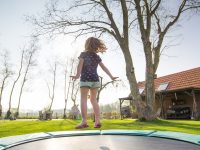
pixel 84 93
pixel 95 105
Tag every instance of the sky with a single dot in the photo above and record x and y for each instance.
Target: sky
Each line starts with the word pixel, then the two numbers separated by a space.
pixel 15 31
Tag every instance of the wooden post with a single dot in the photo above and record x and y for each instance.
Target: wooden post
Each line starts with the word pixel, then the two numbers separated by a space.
pixel 194 109
pixel 120 106
pixel 161 97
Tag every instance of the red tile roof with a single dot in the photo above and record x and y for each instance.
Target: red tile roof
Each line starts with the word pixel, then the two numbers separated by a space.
pixel 181 80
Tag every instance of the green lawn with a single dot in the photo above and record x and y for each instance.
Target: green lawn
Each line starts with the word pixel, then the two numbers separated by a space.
pixel 18 127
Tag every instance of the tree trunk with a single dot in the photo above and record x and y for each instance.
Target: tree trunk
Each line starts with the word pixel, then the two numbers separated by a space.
pixel 149 84
pixel 64 112
pixel 54 84
pixel 18 76
pixel 1 93
pixel 66 98
pixel 140 105
pixel 1 98
pixel 20 95
pixel 67 94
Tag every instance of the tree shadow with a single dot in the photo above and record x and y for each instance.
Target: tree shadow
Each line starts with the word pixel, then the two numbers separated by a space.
pixel 170 123
pixel 104 148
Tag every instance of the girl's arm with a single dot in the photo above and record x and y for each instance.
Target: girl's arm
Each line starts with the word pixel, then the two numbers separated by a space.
pixel 105 69
pixel 79 69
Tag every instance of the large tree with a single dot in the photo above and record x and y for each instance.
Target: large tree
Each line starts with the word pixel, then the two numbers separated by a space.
pixel 5 73
pixel 19 73
pixel 119 19
pixel 155 21
pixel 29 63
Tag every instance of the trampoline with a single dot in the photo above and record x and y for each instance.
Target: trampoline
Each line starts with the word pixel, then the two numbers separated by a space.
pixel 105 140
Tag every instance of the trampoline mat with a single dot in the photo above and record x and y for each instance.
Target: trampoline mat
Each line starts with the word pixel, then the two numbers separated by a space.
pixel 107 142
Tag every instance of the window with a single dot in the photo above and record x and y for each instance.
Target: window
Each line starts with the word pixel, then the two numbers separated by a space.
pixel 163 86
pixel 141 90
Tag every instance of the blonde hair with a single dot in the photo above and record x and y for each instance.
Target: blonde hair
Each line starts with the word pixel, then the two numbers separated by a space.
pixel 95 45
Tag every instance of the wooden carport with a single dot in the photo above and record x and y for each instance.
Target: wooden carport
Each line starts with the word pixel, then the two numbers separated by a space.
pixel 177 94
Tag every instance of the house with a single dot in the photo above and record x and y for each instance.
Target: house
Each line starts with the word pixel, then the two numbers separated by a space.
pixel 178 94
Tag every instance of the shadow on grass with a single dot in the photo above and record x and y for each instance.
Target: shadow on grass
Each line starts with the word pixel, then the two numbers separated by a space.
pixel 164 125
pixel 179 124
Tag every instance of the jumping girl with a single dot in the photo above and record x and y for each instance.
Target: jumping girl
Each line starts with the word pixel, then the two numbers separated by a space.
pixel 89 81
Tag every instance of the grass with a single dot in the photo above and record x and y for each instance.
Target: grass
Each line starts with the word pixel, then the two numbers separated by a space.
pixel 18 127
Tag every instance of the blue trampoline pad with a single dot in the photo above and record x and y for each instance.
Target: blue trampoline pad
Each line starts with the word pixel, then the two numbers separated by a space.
pixel 106 142
pixel 102 140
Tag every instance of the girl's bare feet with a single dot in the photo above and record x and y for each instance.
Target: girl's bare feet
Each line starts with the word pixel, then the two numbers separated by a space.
pixel 82 125
pixel 97 125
